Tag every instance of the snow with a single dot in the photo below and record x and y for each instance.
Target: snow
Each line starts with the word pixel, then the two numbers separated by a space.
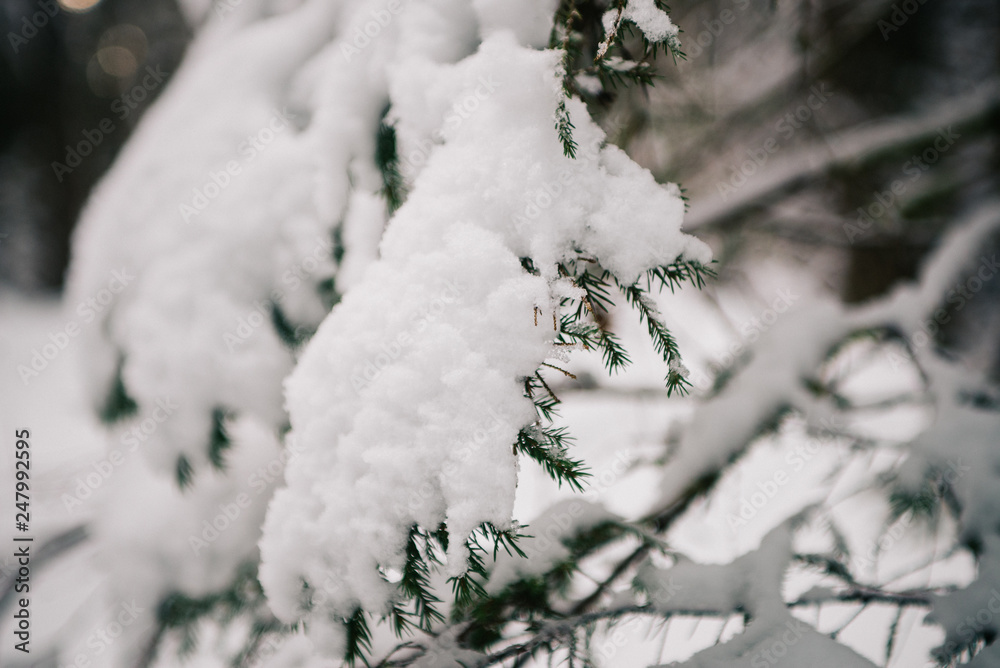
pixel 545 545
pixel 213 527
pixel 192 322
pixel 727 423
pixel 652 21
pixel 407 400
pixel 404 405
pixel 529 20
pixel 956 447
pixel 752 583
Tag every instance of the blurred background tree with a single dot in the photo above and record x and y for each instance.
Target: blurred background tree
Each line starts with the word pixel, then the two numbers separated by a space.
pixel 750 63
pixel 890 75
pixel 65 68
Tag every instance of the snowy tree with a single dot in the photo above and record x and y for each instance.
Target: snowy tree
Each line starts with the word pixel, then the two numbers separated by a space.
pixel 362 274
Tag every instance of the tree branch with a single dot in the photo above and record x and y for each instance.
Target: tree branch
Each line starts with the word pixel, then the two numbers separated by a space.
pixel 848 151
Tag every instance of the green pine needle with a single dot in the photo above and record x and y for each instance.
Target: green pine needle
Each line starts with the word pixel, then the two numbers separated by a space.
pixel 593 336
pixel 503 538
pixel 663 340
pixel 548 448
pixel 597 289
pixel 184 472
pixel 359 638
pixel 545 400
pixel 415 583
pixel 468 587
pixel 467 590
pixel 621 73
pixel 290 335
pixel 118 405
pixel 219 441
pixel 565 127
pixel 674 275
pixel 387 160
pixel 923 503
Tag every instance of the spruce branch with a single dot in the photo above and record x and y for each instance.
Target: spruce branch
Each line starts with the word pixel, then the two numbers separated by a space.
pixel 527 599
pixel 468 587
pixel 611 36
pixel 218 442
pixel 548 447
pixel 564 371
pixel 663 340
pixel 359 638
pixel 415 583
pixel 546 403
pixel 503 538
pixel 565 127
pixel 289 334
pixel 595 286
pixel 184 472
pixel 551 395
pixel 181 614
pixel 571 331
pixel 672 276
pixel 615 72
pixel 118 405
pixel 624 69
pixel 387 161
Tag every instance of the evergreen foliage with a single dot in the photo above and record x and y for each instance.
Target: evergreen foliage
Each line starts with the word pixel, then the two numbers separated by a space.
pixel 577 33
pixel 118 405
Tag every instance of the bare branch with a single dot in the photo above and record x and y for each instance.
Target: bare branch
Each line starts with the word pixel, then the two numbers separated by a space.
pixel 849 151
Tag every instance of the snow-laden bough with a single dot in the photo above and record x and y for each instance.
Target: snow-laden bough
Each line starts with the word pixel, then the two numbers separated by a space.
pixel 406 403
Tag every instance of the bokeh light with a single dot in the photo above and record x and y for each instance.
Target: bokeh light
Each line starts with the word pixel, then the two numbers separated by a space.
pixel 121 52
pixel 78 5
pixel 117 61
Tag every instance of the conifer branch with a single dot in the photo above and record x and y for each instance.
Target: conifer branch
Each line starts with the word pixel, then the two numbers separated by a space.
pixel 289 334
pixel 181 614
pixel 387 160
pixel 218 442
pixel 548 447
pixel 415 585
pixel 118 405
pixel 596 289
pixel 545 405
pixel 672 276
pixel 663 340
pixel 467 587
pixel 565 127
pixel 183 472
pixel 564 371
pixel 593 336
pixel 359 638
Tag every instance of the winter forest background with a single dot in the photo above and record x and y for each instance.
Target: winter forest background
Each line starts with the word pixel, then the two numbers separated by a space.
pixel 373 331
